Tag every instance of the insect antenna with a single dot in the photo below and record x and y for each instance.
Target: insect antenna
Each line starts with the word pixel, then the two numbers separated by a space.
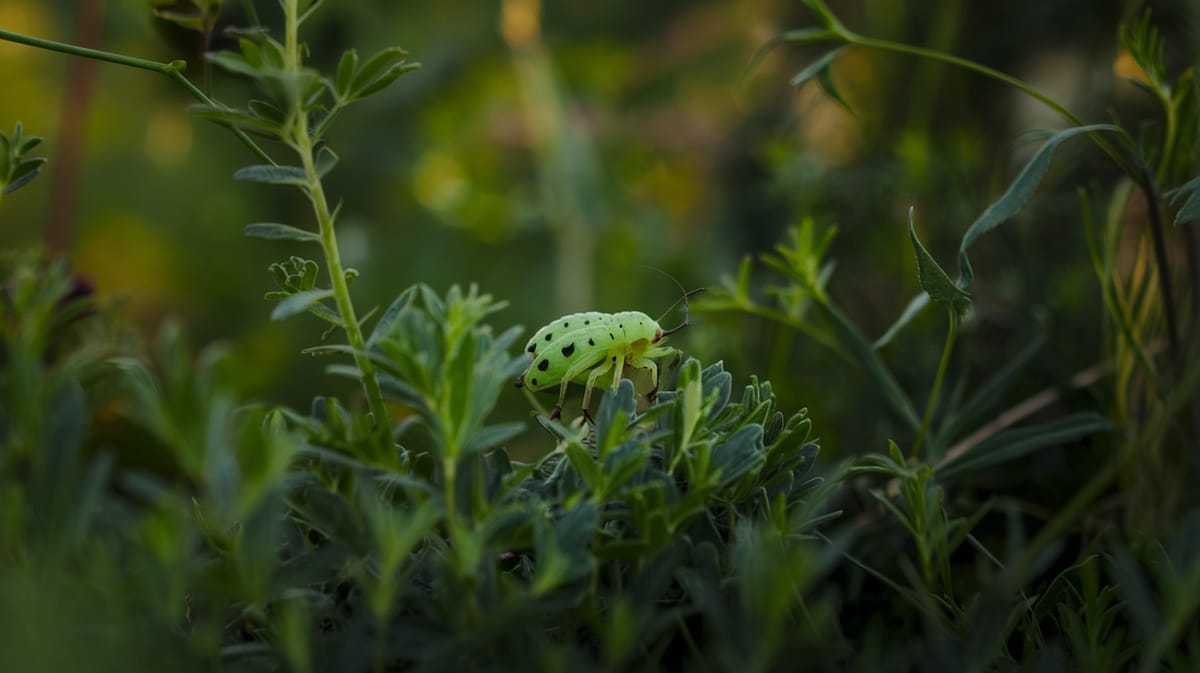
pixel 670 308
pixel 684 299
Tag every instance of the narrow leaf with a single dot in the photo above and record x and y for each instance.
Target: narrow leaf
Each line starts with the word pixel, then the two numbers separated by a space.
pixel 814 69
pixel 26 171
pixel 235 63
pixel 1021 442
pixel 1017 194
pixel 345 71
pixel 1190 212
pixel 299 303
pixel 911 311
pixel 386 79
pixel 860 349
pixel 273 175
pixel 274 230
pixel 326 160
pixel 376 65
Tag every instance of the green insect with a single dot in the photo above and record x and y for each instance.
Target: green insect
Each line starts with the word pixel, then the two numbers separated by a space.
pixel 582 347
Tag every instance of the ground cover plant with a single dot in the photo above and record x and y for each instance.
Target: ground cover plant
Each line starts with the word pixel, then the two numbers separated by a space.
pixel 982 510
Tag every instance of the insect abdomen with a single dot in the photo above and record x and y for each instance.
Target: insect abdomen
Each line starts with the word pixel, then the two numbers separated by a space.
pixel 567 323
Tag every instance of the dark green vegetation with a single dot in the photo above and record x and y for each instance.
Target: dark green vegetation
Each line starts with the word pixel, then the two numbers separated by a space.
pixel 1005 478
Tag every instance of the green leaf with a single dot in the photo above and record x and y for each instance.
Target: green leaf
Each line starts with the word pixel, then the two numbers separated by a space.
pixel 911 311
pixel 386 79
pixel 28 144
pixel 983 401
pixel 933 278
pixel 819 68
pixel 492 436
pixel 26 171
pixel 299 303
pixel 850 336
pixel 274 230
pixel 267 111
pixel 237 119
pixel 273 175
pixel 739 454
pixel 235 63
pixel 326 160
pixel 374 66
pixel 345 71
pixel 1017 443
pixel 193 22
pixel 1190 212
pixel 1018 194
pixel 585 465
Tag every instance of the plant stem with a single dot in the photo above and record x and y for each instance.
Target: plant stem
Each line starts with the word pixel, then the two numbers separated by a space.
pixel 1154 221
pixel 174 70
pixel 951 337
pixel 303 144
pixel 899 48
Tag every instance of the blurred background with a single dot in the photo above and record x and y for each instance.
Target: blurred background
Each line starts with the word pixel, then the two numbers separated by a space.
pixel 552 152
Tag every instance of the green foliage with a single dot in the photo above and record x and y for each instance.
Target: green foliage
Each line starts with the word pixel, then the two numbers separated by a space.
pixel 152 516
pixel 17 168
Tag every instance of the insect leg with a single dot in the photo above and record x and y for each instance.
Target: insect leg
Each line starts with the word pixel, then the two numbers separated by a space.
pixel 575 370
pixel 646 363
pixel 591 382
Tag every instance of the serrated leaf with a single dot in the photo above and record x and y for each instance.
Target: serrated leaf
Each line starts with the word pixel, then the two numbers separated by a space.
pixel 277 231
pixel 299 303
pixel 1018 194
pixel 273 175
pixel 933 278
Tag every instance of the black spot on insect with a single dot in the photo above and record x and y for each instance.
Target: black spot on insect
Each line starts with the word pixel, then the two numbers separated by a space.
pixel 620 327
pixel 532 348
pixel 587 322
pixel 543 365
pixel 549 336
pixel 568 349
pixel 591 343
pixel 534 382
pixel 614 358
pixel 566 325
pixel 610 336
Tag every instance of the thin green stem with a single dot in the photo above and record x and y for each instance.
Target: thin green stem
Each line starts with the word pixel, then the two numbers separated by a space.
pixel 303 145
pixel 951 337
pixel 1025 87
pixel 174 70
